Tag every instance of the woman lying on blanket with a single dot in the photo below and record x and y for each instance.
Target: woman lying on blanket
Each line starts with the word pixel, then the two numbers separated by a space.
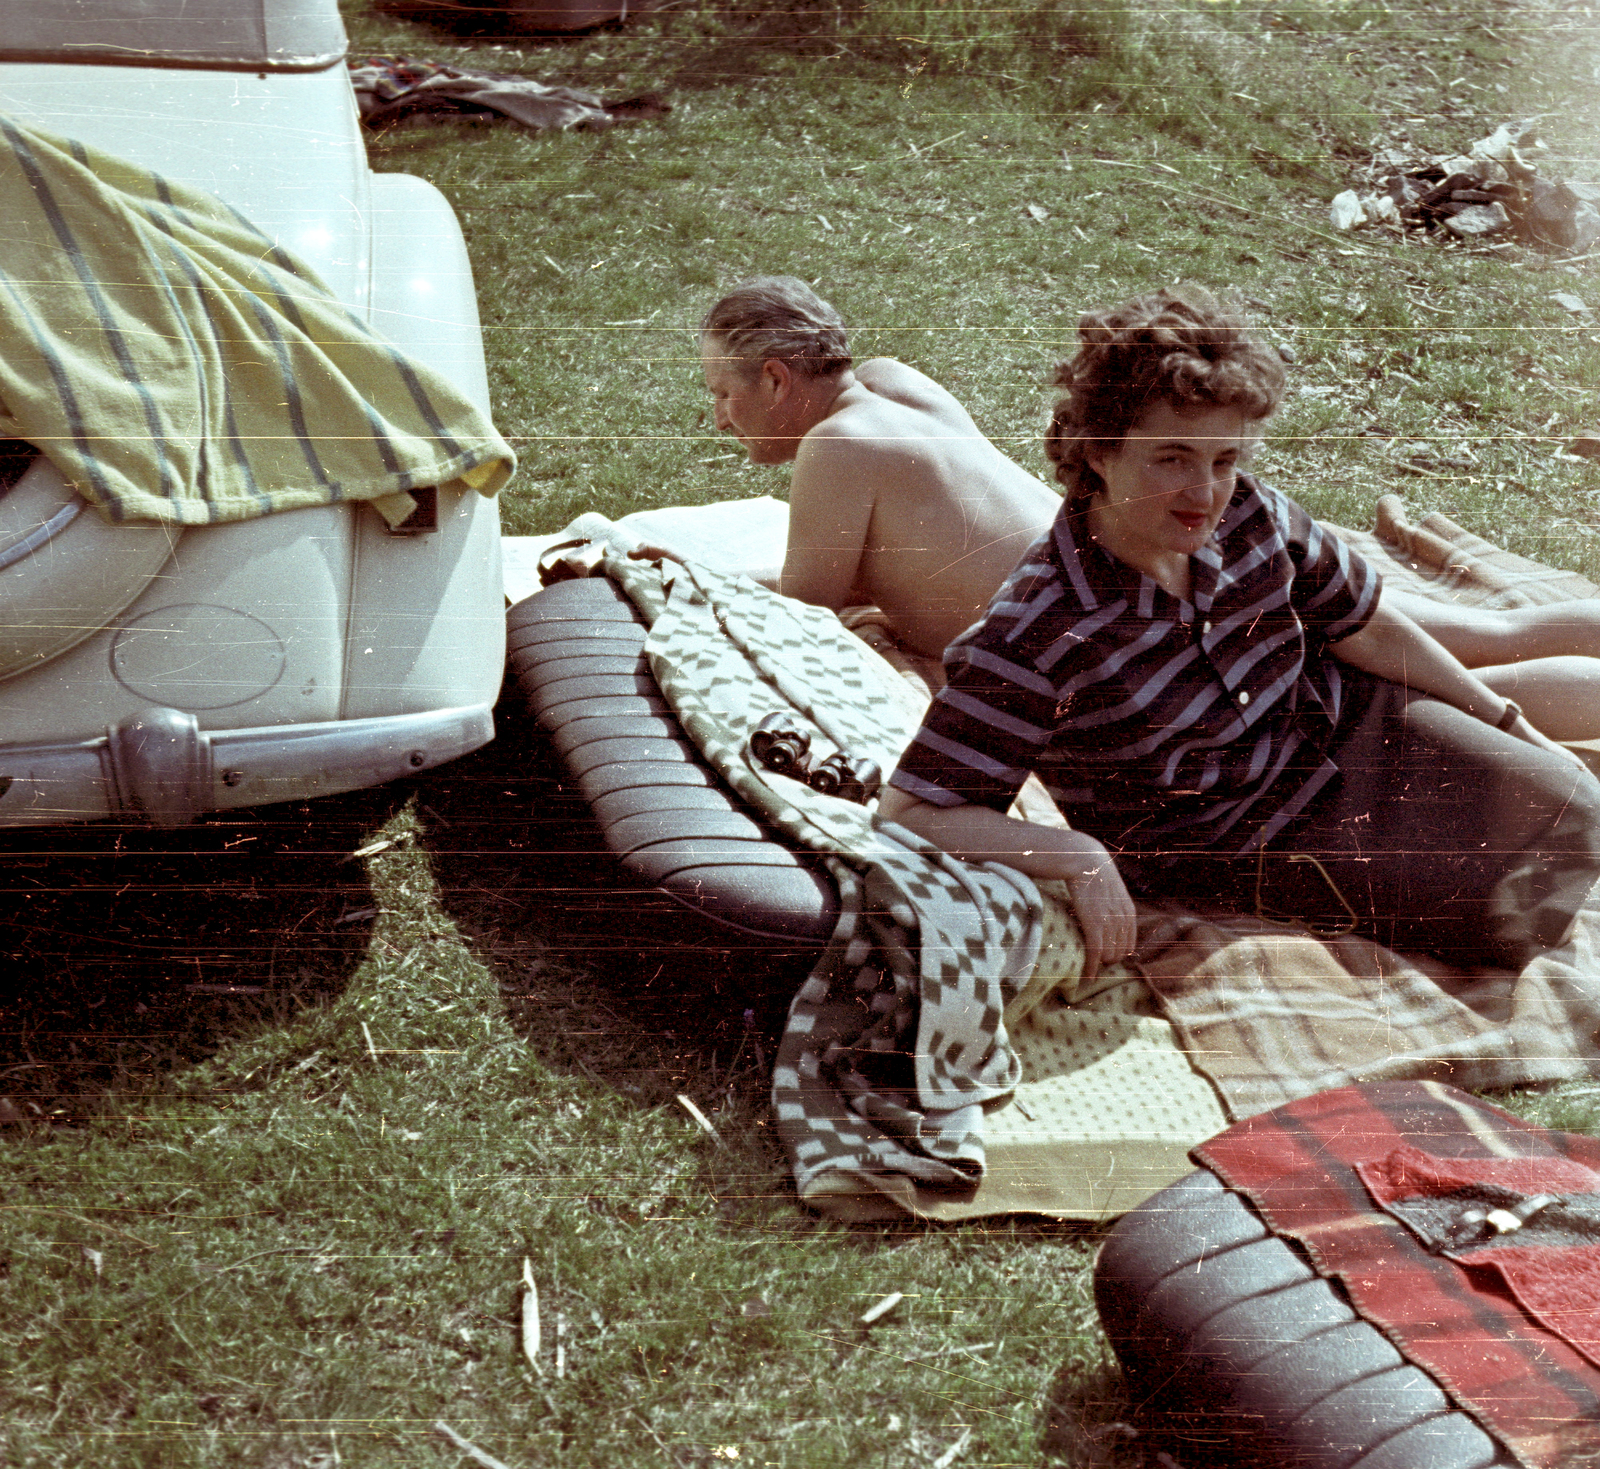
pixel 1223 704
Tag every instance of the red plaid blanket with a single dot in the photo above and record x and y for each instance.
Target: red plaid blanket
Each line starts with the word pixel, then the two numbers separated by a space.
pixel 1527 1384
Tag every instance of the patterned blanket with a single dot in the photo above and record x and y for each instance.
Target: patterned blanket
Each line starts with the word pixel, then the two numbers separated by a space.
pixel 897 1041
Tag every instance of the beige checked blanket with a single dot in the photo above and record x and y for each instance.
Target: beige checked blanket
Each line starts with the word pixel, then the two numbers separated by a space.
pixel 1270 1014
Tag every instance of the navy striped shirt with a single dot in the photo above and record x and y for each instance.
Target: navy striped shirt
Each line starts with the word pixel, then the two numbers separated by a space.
pixel 1157 723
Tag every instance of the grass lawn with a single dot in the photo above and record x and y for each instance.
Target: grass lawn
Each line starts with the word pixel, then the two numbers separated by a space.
pixel 290 1098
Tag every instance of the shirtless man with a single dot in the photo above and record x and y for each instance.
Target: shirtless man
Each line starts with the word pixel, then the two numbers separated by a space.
pixel 897 500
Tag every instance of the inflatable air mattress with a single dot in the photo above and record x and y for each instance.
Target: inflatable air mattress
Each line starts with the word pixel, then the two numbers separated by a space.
pixel 1231 1340
pixel 1393 1275
pixel 576 664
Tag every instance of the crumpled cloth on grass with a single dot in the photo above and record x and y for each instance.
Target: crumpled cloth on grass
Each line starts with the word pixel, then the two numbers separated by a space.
pixel 390 89
pixel 178 366
pixel 896 1042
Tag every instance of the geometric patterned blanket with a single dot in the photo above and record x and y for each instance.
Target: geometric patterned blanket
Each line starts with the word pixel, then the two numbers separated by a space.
pixel 896 1042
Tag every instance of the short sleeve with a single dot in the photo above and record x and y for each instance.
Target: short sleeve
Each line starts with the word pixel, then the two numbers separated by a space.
pixel 1335 590
pixel 983 733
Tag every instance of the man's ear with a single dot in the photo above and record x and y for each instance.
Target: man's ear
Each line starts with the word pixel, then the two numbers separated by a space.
pixel 776 379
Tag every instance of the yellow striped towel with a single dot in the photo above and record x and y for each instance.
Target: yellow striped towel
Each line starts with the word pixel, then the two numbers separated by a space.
pixel 178 366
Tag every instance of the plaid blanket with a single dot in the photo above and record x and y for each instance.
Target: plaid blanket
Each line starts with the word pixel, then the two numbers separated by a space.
pixel 896 1042
pixel 178 366
pixel 1302 1167
pixel 1270 1014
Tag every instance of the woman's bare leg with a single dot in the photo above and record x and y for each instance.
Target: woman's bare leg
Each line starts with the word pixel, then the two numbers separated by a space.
pixel 1479 637
pixel 1546 658
pixel 1560 696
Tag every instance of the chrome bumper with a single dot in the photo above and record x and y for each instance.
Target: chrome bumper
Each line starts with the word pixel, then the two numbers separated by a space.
pixel 160 765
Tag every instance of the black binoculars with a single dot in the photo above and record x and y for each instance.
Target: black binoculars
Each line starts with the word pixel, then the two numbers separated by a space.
pixel 848 779
pixel 782 748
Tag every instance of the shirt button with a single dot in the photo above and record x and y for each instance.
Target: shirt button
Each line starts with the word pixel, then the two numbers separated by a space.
pixel 1244 697
pixel 1205 627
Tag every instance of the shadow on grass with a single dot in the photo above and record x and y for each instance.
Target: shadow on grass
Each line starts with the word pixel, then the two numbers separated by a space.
pixel 589 983
pixel 523 872
pixel 1082 1418
pixel 507 21
pixel 135 952
pixel 740 43
pixel 479 20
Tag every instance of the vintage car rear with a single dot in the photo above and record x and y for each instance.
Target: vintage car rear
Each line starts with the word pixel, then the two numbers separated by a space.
pixel 161 671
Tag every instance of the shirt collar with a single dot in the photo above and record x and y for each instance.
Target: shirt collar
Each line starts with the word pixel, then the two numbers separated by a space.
pixel 1099 577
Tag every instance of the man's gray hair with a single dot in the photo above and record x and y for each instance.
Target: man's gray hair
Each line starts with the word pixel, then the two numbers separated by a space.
pixel 780 316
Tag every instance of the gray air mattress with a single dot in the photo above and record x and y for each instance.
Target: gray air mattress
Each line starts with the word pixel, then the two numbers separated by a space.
pixel 575 663
pixel 1235 1346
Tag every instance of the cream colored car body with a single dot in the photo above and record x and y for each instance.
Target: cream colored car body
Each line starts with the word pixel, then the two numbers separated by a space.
pixel 144 670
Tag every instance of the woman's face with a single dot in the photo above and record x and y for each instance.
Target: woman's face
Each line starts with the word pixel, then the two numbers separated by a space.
pixel 1167 484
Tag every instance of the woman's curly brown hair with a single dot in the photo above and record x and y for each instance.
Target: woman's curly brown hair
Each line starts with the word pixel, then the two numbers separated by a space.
pixel 1182 347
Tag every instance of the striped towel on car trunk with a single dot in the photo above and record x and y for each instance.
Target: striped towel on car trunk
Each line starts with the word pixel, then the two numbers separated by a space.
pixel 178 366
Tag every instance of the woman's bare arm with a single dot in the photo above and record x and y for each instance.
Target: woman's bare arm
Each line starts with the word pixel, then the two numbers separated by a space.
pixel 977 834
pixel 1392 646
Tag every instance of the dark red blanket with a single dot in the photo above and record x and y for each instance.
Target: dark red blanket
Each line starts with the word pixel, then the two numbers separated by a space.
pixel 1523 1367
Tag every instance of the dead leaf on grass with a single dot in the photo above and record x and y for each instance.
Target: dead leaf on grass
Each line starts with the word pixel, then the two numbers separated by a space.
pixel 700 1119
pixel 530 1317
pixel 879 1309
pixel 467 1447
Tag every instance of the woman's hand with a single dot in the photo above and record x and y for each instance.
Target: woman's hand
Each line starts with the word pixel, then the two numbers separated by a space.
pixel 977 834
pixel 645 551
pixel 1105 912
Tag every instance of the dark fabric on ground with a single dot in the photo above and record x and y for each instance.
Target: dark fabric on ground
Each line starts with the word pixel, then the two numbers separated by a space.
pixel 390 89
pixel 1444 836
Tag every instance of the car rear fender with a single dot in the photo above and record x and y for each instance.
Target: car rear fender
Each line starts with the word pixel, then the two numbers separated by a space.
pixel 427 611
pixel 423 299
pixel 66 571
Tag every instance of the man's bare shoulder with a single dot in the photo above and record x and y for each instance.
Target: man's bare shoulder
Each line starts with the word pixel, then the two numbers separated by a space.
pixel 863 421
pixel 866 420
pixel 888 378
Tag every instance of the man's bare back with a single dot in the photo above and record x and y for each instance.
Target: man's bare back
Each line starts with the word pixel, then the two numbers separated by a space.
pixel 899 500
